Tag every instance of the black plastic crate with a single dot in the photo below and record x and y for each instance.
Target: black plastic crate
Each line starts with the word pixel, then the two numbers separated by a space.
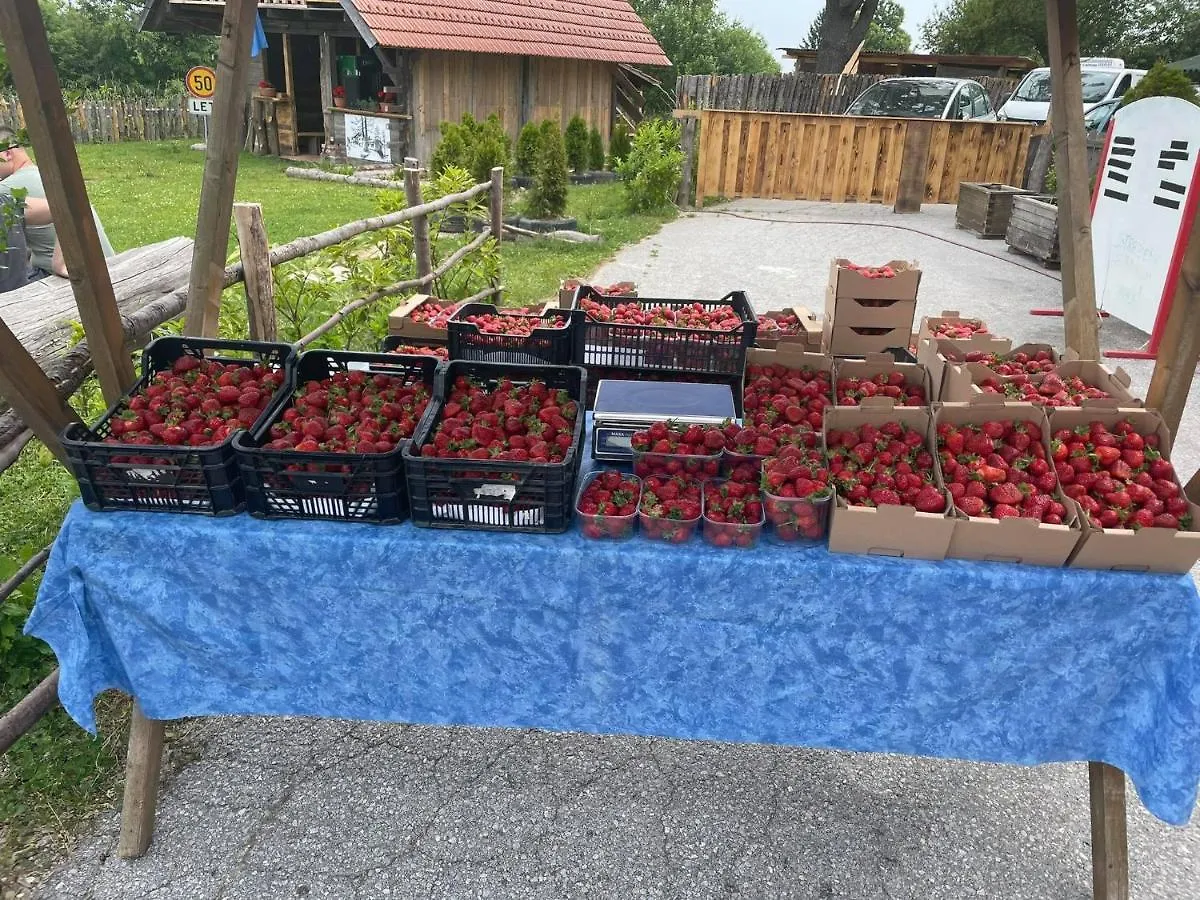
pixel 392 341
pixel 610 344
pixel 495 495
pixel 544 346
pixel 160 478
pixel 349 487
pixel 596 374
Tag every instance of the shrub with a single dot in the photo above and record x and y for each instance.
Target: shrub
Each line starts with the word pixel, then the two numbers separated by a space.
pixel 472 145
pixel 618 144
pixel 595 150
pixel 654 166
pixel 529 145
pixel 1161 81
pixel 576 140
pixel 452 150
pixel 548 199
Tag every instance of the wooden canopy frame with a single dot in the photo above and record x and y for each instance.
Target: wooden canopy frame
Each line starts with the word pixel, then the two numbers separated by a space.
pixel 31 393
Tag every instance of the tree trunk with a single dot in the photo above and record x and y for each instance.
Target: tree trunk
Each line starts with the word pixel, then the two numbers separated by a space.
pixel 843 29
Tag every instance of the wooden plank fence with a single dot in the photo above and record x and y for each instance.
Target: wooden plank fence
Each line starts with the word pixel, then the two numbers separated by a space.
pixel 795 92
pixel 105 121
pixel 847 159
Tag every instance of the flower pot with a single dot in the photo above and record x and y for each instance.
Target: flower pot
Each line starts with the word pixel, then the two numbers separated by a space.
pixel 269 93
pixel 339 102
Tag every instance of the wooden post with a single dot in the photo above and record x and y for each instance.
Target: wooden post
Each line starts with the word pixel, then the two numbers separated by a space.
pixel 142 767
pixel 496 203
pixel 914 166
pixel 256 263
pixel 1070 163
pixel 420 225
pixel 23 34
pixel 1110 843
pixel 288 86
pixel 220 169
pixel 686 197
pixel 27 389
pixel 1179 349
pixel 327 63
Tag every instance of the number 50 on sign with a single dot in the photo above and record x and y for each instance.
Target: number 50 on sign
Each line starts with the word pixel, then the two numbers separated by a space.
pixel 201 82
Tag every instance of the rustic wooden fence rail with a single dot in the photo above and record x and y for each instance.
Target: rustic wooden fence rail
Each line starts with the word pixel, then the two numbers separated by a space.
pixel 847 159
pixel 107 121
pixel 798 92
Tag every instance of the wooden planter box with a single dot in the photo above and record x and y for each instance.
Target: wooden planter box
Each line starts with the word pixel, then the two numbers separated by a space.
pixel 1033 228
pixel 985 208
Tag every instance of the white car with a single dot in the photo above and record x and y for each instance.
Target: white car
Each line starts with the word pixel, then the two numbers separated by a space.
pixel 1103 79
pixel 924 98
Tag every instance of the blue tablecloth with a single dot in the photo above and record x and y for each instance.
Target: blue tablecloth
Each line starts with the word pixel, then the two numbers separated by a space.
pixel 982 661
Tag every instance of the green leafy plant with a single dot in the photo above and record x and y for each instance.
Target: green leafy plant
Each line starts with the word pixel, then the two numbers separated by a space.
pixel 595 150
pixel 654 166
pixel 618 145
pixel 548 198
pixel 472 145
pixel 1161 81
pixel 576 141
pixel 529 145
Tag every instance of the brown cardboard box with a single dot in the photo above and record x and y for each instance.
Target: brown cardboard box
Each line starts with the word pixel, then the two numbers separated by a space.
pixel 951 316
pixel 886 530
pixel 790 355
pixel 871 313
pixel 1024 541
pixel 882 364
pixel 1147 550
pixel 566 291
pixel 400 323
pixel 961 383
pixel 808 337
pixel 849 340
pixel 903 285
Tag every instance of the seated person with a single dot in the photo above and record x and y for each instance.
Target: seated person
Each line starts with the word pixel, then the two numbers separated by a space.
pixel 18 172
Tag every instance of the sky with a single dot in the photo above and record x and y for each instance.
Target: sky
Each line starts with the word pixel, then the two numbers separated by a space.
pixel 785 22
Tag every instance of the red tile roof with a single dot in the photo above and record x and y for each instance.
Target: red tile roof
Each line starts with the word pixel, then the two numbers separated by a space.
pixel 607 30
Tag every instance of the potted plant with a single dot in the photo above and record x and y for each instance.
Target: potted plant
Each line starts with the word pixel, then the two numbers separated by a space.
pixel 387 99
pixel 339 97
pixel 266 89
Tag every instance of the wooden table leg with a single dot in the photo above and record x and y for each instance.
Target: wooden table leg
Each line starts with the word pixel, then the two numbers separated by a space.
pixel 141 783
pixel 1110 844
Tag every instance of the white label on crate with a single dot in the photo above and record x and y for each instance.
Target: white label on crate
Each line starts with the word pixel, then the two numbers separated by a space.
pixel 504 491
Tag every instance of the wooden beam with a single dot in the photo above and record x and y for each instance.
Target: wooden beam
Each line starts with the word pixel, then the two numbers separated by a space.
pixel 496 203
pixel 327 63
pixel 914 166
pixel 220 169
pixel 142 767
pixel 686 197
pixel 1110 843
pixel 23 34
pixel 256 264
pixel 420 224
pixel 1070 162
pixel 31 394
pixel 288 84
pixel 29 710
pixel 1179 348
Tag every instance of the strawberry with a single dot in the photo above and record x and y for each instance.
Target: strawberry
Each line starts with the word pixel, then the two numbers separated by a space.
pixel 972 506
pixel 414 350
pixel 960 329
pixel 707 317
pixel 434 313
pixel 512 322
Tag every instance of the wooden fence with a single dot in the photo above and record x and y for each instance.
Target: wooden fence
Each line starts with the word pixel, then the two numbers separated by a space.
pixel 105 121
pixel 799 92
pixel 847 159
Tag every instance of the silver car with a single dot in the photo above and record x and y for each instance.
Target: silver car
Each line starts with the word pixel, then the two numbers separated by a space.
pixel 924 98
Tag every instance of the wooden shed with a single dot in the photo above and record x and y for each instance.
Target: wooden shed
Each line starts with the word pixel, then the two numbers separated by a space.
pixel 441 58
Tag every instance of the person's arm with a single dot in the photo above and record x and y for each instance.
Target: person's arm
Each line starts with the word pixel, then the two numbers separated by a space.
pixel 37 212
pixel 58 265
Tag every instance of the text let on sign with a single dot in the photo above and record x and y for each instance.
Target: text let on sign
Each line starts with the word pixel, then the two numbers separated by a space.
pixel 200 107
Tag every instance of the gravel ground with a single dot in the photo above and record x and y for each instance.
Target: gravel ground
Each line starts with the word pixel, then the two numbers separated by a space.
pixel 290 808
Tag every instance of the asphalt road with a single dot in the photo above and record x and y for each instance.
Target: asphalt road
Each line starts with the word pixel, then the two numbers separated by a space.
pixel 292 808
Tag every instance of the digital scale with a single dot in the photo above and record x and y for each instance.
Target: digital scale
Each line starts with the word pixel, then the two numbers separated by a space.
pixel 623 407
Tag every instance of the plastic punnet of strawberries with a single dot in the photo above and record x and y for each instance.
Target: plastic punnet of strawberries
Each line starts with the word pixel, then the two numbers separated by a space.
pixel 960 330
pixel 778 323
pixel 672 448
pixel 999 470
pixel 414 350
pixel 733 513
pixel 1051 390
pixel 777 395
pixel 852 391
pixel 512 422
pixel 687 315
pixel 1013 363
pixel 747 446
pixel 884 466
pixel 434 314
pixel 670 508
pixel 1119 477
pixel 797 494
pixel 195 403
pixel 520 324
pixel 608 504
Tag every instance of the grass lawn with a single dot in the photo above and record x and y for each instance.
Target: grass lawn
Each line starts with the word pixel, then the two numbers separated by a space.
pixel 57 775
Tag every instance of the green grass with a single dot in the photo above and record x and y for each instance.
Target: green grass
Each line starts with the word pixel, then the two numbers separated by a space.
pixel 57 775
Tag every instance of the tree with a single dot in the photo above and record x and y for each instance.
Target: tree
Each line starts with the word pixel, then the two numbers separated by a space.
pixel 595 150
pixel 1167 30
pixel 1162 82
pixel 576 142
pixel 548 198
pixel 529 145
pixel 886 33
pixel 618 144
pixel 844 25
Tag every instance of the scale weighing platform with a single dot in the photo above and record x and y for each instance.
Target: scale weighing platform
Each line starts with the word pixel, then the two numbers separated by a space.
pixel 623 407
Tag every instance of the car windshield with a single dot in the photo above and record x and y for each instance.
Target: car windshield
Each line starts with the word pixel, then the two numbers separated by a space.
pixel 1036 86
pixel 1099 115
pixel 916 99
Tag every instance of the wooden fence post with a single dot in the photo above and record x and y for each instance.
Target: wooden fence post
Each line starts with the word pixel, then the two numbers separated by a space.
pixel 33 396
pixel 496 203
pixel 686 197
pixel 914 166
pixel 420 225
pixel 256 264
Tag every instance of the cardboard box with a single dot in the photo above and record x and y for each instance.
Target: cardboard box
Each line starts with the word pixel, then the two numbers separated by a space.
pixel 960 383
pixel 882 364
pixel 399 321
pixel 809 336
pixel 849 340
pixel 938 354
pixel 903 285
pixel 567 289
pixel 953 316
pixel 1025 541
pixel 886 530
pixel 871 313
pixel 790 355
pixel 1119 549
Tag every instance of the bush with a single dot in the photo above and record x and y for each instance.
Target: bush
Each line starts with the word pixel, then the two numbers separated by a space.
pixel 1161 81
pixel 472 145
pixel 576 140
pixel 654 166
pixel 452 150
pixel 529 145
pixel 618 145
pixel 548 198
pixel 595 150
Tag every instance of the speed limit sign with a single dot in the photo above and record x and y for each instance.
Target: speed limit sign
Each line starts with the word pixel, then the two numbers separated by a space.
pixel 201 82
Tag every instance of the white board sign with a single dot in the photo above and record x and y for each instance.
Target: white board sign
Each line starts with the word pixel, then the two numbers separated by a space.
pixel 199 107
pixel 1144 199
pixel 368 138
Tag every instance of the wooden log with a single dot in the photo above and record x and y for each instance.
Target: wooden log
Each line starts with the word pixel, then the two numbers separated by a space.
pixel 496 204
pixel 327 63
pixel 32 68
pixel 420 224
pixel 687 192
pixel 1110 842
pixel 1179 347
pixel 220 169
pixel 32 394
pixel 390 184
pixel 11 451
pixel 30 566
pixel 142 767
pixel 256 265
pixel 914 166
pixel 29 709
